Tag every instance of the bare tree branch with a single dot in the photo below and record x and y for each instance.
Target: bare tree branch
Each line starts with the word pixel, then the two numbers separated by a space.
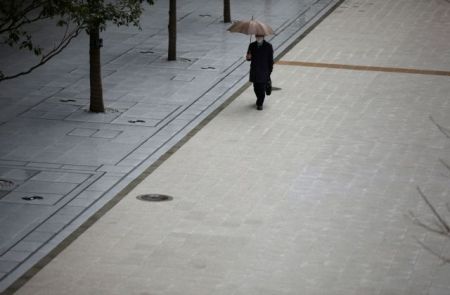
pixel 444 130
pixel 67 38
pixel 445 164
pixel 418 222
pixel 441 226
pixel 16 21
pixel 436 214
pixel 441 257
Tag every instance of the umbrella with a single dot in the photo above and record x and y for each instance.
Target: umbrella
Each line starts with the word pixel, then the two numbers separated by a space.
pixel 251 27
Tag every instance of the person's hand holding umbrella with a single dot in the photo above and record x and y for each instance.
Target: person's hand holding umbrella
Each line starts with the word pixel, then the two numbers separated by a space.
pixel 250 27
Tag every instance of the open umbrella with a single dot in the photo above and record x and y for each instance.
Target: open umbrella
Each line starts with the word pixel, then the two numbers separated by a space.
pixel 251 27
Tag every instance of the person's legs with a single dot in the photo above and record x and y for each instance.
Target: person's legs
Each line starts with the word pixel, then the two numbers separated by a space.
pixel 260 91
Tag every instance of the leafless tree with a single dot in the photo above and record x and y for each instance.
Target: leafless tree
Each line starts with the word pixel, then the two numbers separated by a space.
pixel 439 224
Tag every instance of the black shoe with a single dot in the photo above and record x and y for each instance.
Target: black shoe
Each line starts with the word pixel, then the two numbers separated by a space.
pixel 259 108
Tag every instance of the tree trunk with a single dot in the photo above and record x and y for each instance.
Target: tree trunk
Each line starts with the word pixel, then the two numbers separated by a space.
pixel 96 101
pixel 226 11
pixel 173 30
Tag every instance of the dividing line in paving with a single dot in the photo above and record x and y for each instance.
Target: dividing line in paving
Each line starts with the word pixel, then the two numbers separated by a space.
pixel 363 68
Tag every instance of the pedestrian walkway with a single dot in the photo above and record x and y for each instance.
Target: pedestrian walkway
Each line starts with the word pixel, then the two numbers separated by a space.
pixel 68 163
pixel 309 196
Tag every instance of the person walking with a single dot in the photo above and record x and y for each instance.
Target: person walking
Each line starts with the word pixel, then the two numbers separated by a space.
pixel 260 55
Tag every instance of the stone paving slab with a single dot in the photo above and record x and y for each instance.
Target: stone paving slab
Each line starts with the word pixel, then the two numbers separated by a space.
pixel 82 160
pixel 309 196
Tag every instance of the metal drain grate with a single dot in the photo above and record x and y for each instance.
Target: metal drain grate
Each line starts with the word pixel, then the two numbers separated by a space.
pixel 32 198
pixel 6 184
pixel 154 198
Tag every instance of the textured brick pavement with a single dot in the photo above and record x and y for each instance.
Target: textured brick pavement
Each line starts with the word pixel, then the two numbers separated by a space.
pixel 309 196
pixel 74 161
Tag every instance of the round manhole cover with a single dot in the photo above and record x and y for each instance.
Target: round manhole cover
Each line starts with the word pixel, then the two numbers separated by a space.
pixel 154 198
pixel 6 184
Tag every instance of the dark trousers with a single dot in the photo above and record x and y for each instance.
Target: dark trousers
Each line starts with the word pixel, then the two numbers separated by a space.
pixel 260 91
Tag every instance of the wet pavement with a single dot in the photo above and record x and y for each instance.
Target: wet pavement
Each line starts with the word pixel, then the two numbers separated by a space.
pixel 312 195
pixel 68 163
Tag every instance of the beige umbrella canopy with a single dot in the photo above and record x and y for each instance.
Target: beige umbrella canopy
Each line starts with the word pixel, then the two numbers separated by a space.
pixel 251 27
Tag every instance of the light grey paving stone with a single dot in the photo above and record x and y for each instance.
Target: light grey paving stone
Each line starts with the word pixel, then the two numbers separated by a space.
pixel 27 246
pixel 46 187
pixel 116 169
pixel 58 108
pixel 122 106
pixel 38 237
pixel 18 218
pixel 53 227
pixel 81 202
pixel 107 134
pixel 15 256
pixel 70 211
pixel 129 162
pixel 154 111
pixel 47 156
pixel 84 116
pixel 90 194
pixel 44 165
pixel 46 91
pixel 17 174
pixel 104 183
pixel 136 137
pixel 184 78
pixel 109 154
pixel 80 167
pixel 82 132
pixel 12 163
pixel 7 266
pixel 54 176
pixel 54 116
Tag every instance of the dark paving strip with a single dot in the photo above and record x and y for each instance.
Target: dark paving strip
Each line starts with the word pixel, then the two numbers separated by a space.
pixel 363 68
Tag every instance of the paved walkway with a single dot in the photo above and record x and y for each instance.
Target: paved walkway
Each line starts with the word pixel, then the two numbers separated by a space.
pixel 309 196
pixel 77 161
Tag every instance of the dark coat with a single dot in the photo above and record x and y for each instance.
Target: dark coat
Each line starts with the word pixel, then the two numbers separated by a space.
pixel 261 65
